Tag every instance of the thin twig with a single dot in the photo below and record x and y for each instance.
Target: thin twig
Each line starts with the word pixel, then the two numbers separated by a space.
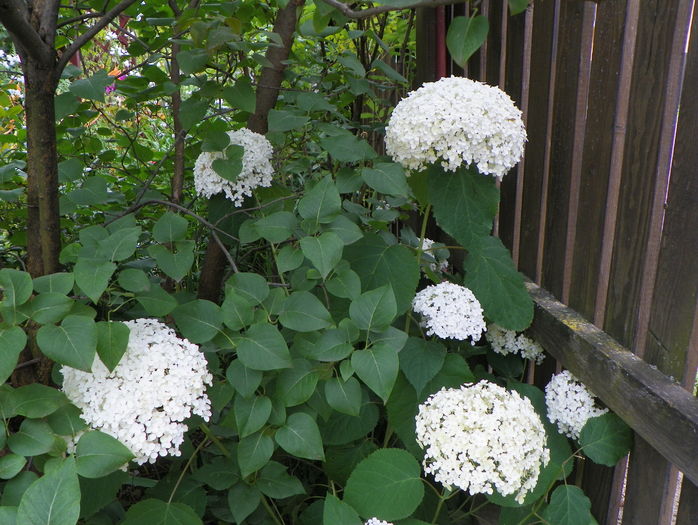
pixel 372 11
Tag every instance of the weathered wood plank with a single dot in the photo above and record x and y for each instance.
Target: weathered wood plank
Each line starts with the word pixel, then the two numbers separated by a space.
pixel 425 29
pixel 688 504
pixel 657 408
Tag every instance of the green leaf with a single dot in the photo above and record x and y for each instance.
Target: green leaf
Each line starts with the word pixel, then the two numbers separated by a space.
pixel 344 146
pixel 288 258
pixel 375 309
pixel 281 121
pixel 344 396
pixel 192 60
pixel 344 284
pixel 251 286
pixel 93 191
pixel 12 342
pixel 170 227
pixel 230 166
pixel 92 276
pixel 341 429
pixel 65 104
pixel 348 231
pixel 192 111
pixel 251 414
pixel 219 475
pixel 54 283
pixel 120 245
pixel 276 227
pixel 37 400
pixel 157 512
pixel 276 483
pixel 11 465
pixel 492 277
pixel 199 320
pixel 262 347
pixel 243 500
pixel 336 512
pixel 568 506
pixel 387 178
pixel 324 251
pixel 297 384
pixel 304 312
pixel 16 287
pixel 92 88
pixel 241 95
pixel 351 62
pixel 156 301
pixel 73 343
pixel 33 439
pixel 8 515
pixel 49 307
pixel 175 264
pixel 66 421
pixel 98 493
pixel 464 202
pixel 386 484
pixel 517 6
pixel 376 263
pixel 237 311
pixel 98 454
pixel 300 436
pixel 53 499
pixel 244 380
pixel 254 452
pixel 420 361
pixel 133 280
pixel 465 36
pixel 112 340
pixel 321 203
pixel 15 488
pixel 606 439
pixel 453 374
pixel 402 408
pixel 378 368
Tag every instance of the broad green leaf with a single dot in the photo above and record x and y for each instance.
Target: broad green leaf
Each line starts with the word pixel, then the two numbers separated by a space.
pixel 133 280
pixel 331 346
pixel 230 166
pixel 241 95
pixel 378 263
pixel 517 515
pixel 454 372
pixel 300 436
pixel 375 309
pixel 324 251
pixel 420 361
pixel 92 276
pixel 53 499
pixel 251 413
pixel 175 264
pixel 262 347
pixel 464 203
pixel 199 320
pixel 49 307
pixel 606 439
pixel 112 340
pixel 37 400
pixel 33 438
pixel 276 227
pixel 54 283
pixel 402 408
pixel 518 6
pixel 337 512
pixel 92 88
pixel 221 474
pixel 321 203
pixel 392 337
pixel 276 483
pixel 465 36
pixel 66 421
pixel 351 62
pixel 72 343
pixel 65 104
pixel 377 367
pixel 158 512
pixel 100 492
pixel 345 229
pixel 387 178
pixel 282 121
pixel 15 488
pixel 98 454
pixel 289 258
pixel 156 301
pixel 11 465
pixel 254 452
pixel 192 111
pixel 16 287
pixel 492 277
pixel 344 146
pixel 295 385
pixel 568 506
pixel 251 286
pixel 304 312
pixel 344 284
pixel 243 500
pixel 237 311
pixel 192 60
pixel 388 71
pixel 93 191
pixel 244 380
pixel 12 342
pixel 344 396
pixel 120 245
pixel 341 429
pixel 170 227
pixel 386 484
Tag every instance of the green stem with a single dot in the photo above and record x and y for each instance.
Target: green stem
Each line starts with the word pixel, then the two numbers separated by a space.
pixel 271 512
pixel 420 250
pixel 439 505
pixel 209 434
pixel 184 470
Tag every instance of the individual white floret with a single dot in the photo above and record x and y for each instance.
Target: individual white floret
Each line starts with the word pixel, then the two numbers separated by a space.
pixel 450 311
pixel 570 404
pixel 256 171
pixel 456 121
pixel 507 342
pixel 159 382
pixel 376 521
pixel 481 438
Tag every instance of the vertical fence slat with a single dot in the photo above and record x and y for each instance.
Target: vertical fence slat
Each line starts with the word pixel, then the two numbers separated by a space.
pixel 688 505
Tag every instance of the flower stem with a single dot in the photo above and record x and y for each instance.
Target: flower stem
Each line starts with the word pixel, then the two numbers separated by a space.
pixel 440 504
pixel 271 511
pixel 420 250
pixel 207 431
pixel 184 470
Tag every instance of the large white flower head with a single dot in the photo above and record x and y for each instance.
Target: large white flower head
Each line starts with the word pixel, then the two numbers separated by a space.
pixel 456 121
pixel 507 342
pixel 450 311
pixel 376 521
pixel 159 382
pixel 570 404
pixel 480 438
pixel 256 171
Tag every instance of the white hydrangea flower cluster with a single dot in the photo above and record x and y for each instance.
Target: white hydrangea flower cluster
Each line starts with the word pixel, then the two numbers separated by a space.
pixel 159 382
pixel 481 437
pixel 507 342
pixel 570 404
pixel 456 121
pixel 256 171
pixel 450 311
pixel 376 521
pixel 438 266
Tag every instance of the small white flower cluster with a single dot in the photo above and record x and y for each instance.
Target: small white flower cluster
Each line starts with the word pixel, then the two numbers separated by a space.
pixel 256 171
pixel 456 121
pixel 570 404
pixel 450 311
pixel 159 382
pixel 441 265
pixel 376 521
pixel 507 342
pixel 481 437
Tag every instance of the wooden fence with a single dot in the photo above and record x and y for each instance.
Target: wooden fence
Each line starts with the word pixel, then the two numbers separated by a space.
pixel 602 216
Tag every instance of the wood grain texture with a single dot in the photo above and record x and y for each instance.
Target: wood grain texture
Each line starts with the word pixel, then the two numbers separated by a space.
pixel 688 504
